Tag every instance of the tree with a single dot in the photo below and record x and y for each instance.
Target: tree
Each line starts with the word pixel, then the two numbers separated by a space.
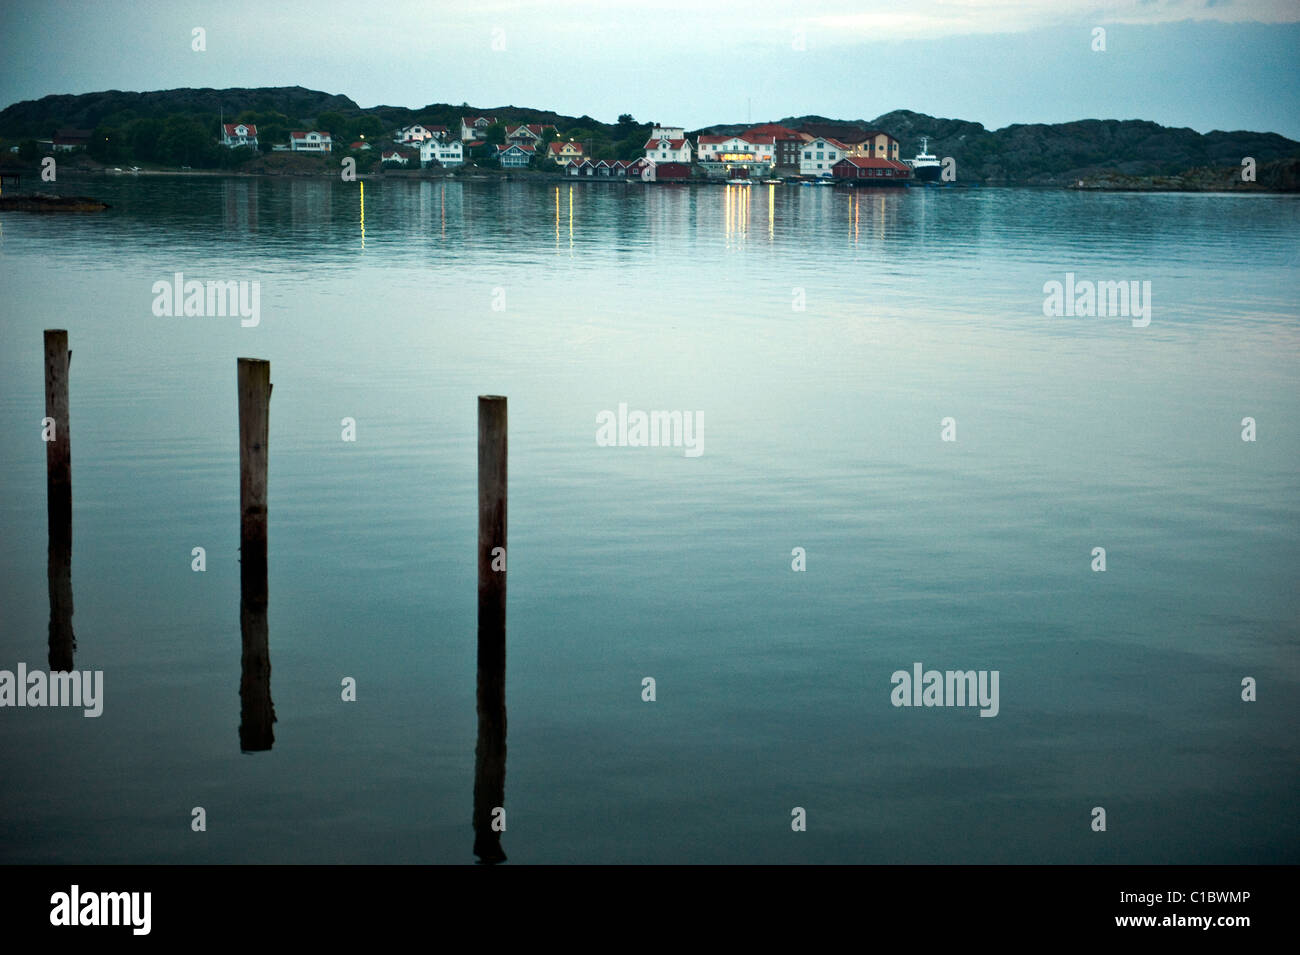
pixel 184 142
pixel 495 134
pixel 144 135
pixel 107 144
pixel 28 150
pixel 370 126
pixel 330 121
pixel 238 156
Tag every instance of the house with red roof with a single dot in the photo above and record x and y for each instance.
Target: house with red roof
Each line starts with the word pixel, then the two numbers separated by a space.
pixel 474 127
pixel 238 134
pixel 641 169
pixel 857 141
pixel 818 155
pixel 564 153
pixel 668 144
pixel 311 141
pixel 747 155
pixel 871 171
pixel 786 143
pixel 528 134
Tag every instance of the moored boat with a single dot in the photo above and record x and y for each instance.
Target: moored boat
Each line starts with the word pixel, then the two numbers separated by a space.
pixel 926 167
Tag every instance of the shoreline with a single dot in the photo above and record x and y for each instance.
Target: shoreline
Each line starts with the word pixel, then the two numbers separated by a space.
pixel 1101 183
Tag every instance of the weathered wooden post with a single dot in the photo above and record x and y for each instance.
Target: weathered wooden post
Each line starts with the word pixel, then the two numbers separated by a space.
pixel 256 712
pixel 254 425
pixel 490 756
pixel 58 487
pixel 58 451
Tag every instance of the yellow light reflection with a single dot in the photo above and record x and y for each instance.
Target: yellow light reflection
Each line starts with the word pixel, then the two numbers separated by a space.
pixel 363 214
pixel 726 215
pixel 771 211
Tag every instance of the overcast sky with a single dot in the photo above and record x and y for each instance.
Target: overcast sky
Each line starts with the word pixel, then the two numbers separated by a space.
pixel 1207 64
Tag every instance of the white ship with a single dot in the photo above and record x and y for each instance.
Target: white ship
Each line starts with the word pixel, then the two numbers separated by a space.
pixel 925 167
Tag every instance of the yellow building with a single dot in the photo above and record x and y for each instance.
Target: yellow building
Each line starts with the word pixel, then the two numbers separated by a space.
pixel 880 145
pixel 564 153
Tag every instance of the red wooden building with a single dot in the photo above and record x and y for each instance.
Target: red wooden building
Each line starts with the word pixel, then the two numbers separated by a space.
pixel 672 171
pixel 871 171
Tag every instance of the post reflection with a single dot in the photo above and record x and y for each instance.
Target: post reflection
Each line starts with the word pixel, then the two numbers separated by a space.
pixel 256 711
pixel 490 754
pixel 63 643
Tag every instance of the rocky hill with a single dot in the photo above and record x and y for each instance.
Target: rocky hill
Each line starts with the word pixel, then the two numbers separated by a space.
pixel 39 118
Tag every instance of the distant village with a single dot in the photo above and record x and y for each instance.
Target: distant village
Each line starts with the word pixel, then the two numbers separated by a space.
pixel 817 152
pixel 757 153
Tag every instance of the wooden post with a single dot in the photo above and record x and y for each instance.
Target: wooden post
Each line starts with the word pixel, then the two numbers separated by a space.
pixel 58 488
pixel 256 712
pixel 490 756
pixel 58 453
pixel 254 425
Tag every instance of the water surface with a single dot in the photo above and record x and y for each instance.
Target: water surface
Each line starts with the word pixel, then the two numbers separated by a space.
pixel 821 430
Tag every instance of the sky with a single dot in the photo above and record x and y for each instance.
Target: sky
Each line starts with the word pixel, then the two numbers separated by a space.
pixel 1207 64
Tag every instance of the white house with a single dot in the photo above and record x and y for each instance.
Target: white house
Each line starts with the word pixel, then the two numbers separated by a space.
pixel 409 135
pixel 668 144
pixel 528 134
pixel 393 156
pixel 818 156
pixel 310 142
pixel 707 147
pixel 758 149
pixel 473 127
pixel 238 134
pixel 448 154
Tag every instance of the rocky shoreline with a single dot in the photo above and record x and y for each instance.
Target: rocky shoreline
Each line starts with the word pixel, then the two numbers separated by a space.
pixel 44 202
pixel 1282 175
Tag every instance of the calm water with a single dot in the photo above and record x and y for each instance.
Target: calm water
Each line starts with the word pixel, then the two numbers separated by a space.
pixel 821 430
